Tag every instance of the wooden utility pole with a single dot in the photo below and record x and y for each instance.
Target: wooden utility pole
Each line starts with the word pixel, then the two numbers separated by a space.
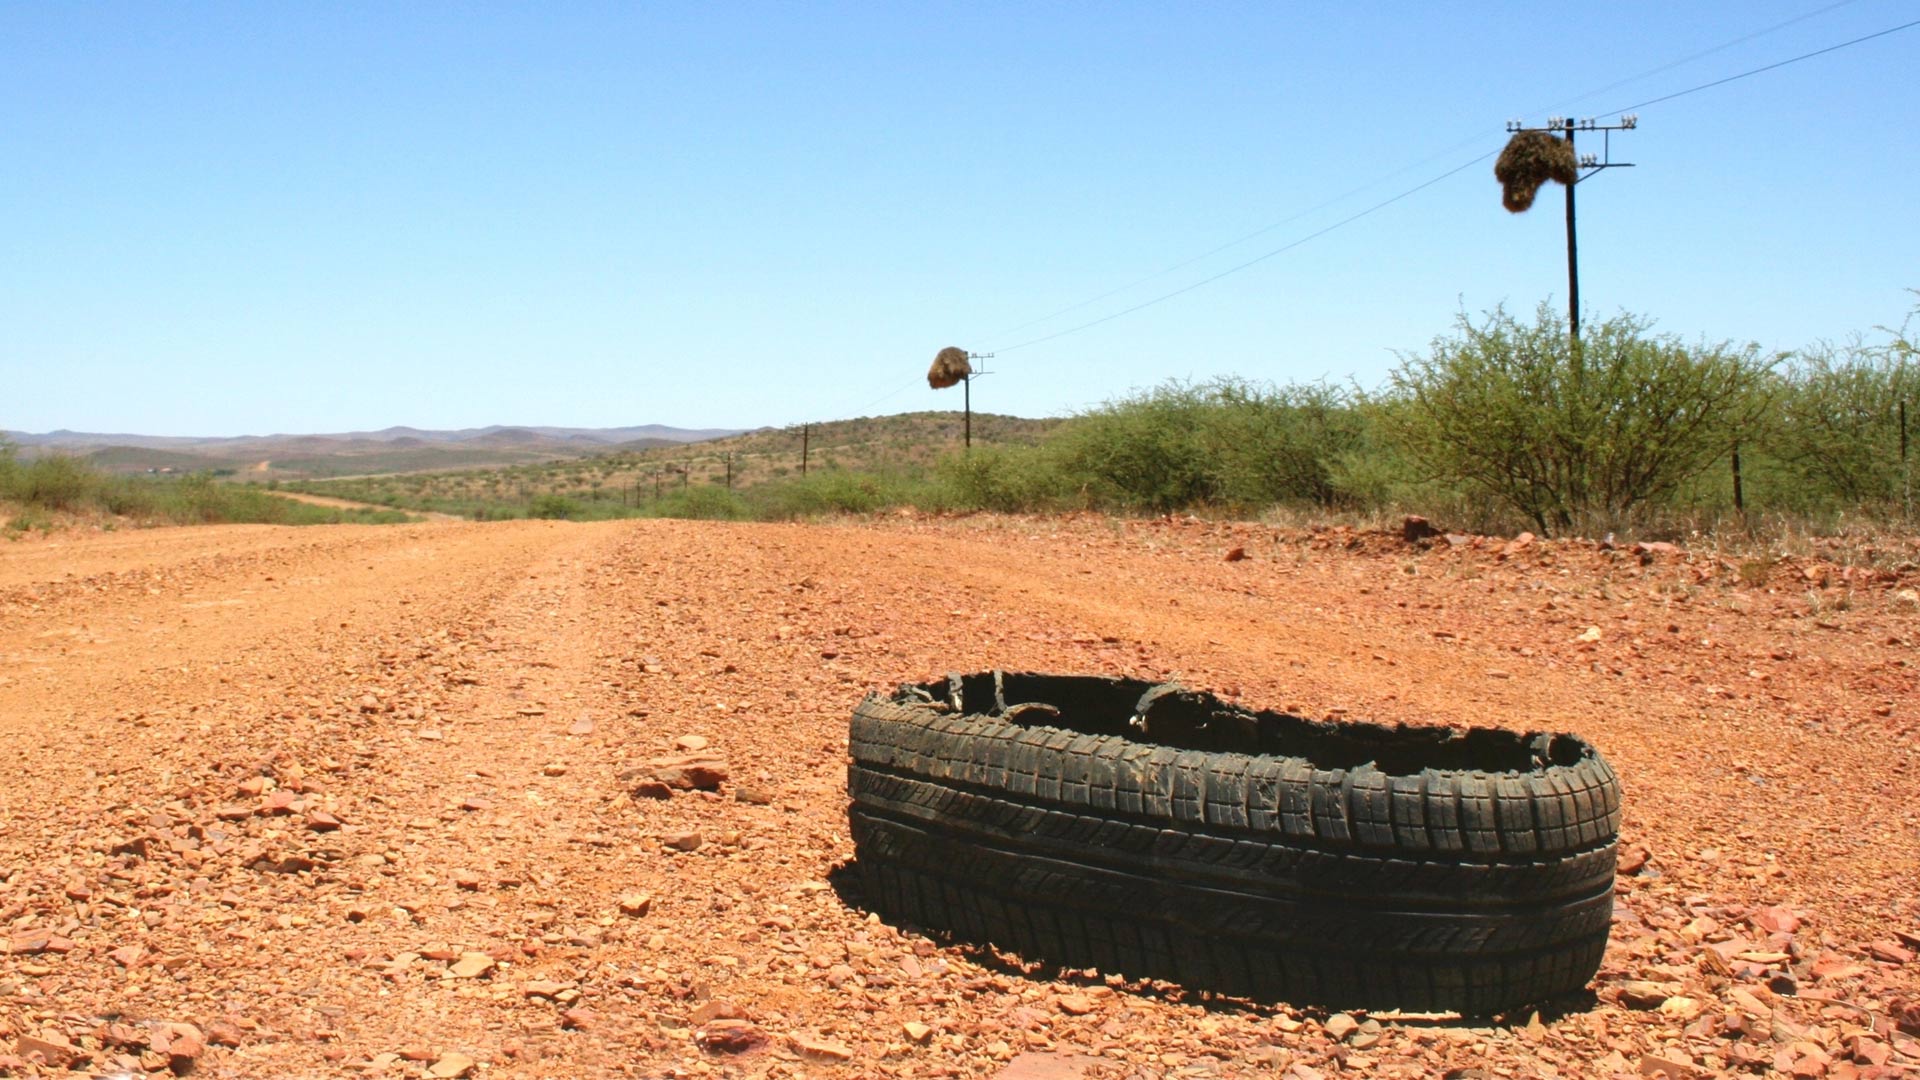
pixel 805 431
pixel 1565 126
pixel 1573 258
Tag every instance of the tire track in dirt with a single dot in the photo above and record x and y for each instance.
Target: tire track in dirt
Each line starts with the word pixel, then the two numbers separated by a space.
pixel 176 735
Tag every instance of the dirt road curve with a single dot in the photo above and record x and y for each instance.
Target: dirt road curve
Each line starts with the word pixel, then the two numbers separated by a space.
pixel 349 504
pixel 358 800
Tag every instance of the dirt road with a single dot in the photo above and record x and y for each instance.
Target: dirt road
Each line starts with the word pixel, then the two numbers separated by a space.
pixel 355 799
pixel 349 504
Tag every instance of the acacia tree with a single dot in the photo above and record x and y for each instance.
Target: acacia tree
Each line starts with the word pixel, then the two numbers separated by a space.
pixel 1226 441
pixel 1570 432
pixel 1838 422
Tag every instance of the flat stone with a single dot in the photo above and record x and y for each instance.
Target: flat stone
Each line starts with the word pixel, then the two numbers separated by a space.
pixel 689 772
pixel 717 1009
pixel 277 802
pixel 34 942
pixel 1889 952
pixel 451 1065
pixel 1047 1066
pixel 1639 994
pixel 1665 1067
pixel 470 966
pixel 53 1049
pixel 824 1049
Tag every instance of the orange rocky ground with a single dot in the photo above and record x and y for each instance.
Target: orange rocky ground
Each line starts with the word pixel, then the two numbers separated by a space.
pixel 362 800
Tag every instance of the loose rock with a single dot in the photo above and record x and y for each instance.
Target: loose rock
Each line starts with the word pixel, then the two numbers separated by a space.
pixel 451 1066
pixel 729 1037
pixel 825 1049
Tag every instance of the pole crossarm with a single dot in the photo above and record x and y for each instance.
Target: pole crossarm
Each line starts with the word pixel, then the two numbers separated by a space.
pixel 967 431
pixel 1586 166
pixel 1566 126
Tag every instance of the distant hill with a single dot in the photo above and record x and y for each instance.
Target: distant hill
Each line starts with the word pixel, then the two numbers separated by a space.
pixel 901 443
pixel 354 453
pixel 89 440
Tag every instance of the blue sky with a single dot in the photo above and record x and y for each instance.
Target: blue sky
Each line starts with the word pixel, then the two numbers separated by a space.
pixel 250 218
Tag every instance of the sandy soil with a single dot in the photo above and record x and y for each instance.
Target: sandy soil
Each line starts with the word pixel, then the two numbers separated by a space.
pixel 358 800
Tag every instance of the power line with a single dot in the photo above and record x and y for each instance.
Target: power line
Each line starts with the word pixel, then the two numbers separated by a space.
pixel 1348 220
pixel 1765 68
pixel 1263 230
pixel 888 396
pixel 1690 58
pixel 1236 242
pixel 1410 191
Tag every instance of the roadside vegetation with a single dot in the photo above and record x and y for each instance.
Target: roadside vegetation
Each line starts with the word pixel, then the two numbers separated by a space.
pixel 1501 425
pixel 54 490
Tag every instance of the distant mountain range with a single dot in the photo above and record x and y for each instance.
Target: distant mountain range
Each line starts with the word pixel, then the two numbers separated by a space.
pixel 394 449
pixel 493 435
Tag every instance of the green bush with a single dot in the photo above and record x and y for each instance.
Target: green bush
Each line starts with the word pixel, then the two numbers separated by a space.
pixel 54 482
pixel 1228 441
pixel 70 485
pixel 1837 425
pixel 1009 479
pixel 552 506
pixel 703 503
pixel 827 491
pixel 201 499
pixel 1570 434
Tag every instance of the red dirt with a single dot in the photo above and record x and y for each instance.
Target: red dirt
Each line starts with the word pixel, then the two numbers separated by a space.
pixel 326 795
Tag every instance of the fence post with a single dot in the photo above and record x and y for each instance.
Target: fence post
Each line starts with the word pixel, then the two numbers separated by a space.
pixel 1739 496
pixel 1906 470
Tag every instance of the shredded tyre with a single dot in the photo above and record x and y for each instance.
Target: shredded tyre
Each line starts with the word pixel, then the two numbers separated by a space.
pixel 1156 833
